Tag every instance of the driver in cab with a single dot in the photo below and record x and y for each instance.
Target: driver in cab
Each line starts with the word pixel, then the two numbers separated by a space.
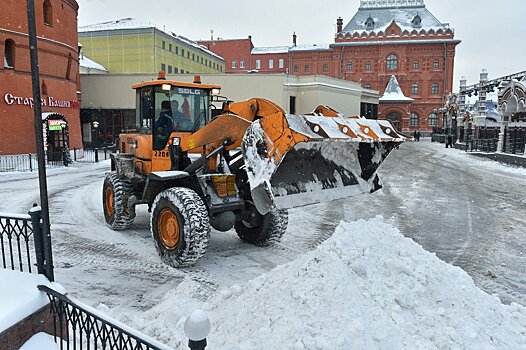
pixel 168 119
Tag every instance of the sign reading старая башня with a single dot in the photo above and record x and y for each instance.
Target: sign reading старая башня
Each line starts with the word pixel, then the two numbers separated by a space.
pixel 50 101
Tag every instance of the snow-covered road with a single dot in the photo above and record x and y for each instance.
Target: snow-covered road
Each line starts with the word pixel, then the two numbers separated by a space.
pixel 468 210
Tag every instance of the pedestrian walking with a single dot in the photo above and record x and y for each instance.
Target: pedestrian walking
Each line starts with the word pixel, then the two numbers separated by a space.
pixel 418 135
pixel 449 142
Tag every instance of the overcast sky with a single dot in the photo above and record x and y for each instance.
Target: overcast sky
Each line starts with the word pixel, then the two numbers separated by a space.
pixel 493 33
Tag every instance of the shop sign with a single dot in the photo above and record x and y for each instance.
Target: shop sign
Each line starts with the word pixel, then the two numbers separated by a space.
pixel 49 101
pixel 56 124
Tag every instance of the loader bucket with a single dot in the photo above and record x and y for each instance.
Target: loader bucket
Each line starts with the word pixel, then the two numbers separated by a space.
pixel 296 160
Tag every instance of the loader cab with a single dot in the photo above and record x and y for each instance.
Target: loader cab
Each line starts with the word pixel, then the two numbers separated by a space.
pixel 165 107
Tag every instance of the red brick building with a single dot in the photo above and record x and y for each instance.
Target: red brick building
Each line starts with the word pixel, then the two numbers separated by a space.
pixel 384 38
pixel 56 26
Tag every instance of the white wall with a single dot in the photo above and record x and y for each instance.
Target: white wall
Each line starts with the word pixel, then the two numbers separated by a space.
pixel 114 90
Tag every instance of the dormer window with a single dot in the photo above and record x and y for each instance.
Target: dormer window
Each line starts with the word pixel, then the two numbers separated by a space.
pixel 417 21
pixel 369 23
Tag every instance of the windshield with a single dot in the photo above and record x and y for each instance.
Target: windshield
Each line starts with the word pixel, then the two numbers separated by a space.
pixel 181 109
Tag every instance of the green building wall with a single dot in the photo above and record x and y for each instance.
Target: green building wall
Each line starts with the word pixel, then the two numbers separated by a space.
pixel 147 50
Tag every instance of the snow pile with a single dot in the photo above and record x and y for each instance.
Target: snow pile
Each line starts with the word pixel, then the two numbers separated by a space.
pixel 367 287
pixel 41 341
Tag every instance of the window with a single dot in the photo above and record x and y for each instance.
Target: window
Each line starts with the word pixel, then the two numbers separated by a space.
pixel 307 68
pixel 436 64
pixel 201 60
pixel 234 64
pixel 414 119
pixel 392 62
pixel 163 45
pixel 190 111
pixel 176 70
pixel 170 47
pixel 414 89
pixel 193 57
pixel 325 68
pixel 48 13
pixel 270 64
pixel 258 64
pixel 296 69
pixel 182 52
pixel 9 54
pixel 241 63
pixel 169 69
pixel 163 67
pixel 434 88
pixel 416 64
pixel 368 65
pixel 349 65
pixel 433 119
pixel 367 86
pixel 188 54
pixel 68 68
pixel 177 50
pixel 281 63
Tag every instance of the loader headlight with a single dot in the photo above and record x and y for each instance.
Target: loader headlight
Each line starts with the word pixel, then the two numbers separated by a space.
pixel 215 91
pixel 176 141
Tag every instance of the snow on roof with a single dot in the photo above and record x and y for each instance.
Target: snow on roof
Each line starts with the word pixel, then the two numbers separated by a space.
pixel 384 16
pixel 310 47
pixel 133 23
pixel 393 92
pixel 87 63
pixel 269 50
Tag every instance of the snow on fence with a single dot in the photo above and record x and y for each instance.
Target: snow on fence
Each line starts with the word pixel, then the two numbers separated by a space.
pixel 16 241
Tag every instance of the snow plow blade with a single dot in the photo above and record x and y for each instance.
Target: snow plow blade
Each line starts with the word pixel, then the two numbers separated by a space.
pixel 298 160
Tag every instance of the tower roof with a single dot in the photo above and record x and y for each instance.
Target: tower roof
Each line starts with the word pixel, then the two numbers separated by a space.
pixel 377 15
pixel 393 92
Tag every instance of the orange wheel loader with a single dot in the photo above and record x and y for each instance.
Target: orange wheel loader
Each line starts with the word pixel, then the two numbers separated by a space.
pixel 240 166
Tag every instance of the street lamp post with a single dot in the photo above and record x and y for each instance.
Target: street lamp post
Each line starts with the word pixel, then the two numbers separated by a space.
pixel 35 83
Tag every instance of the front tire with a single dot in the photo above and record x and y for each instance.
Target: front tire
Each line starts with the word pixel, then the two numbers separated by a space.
pixel 115 195
pixel 180 226
pixel 271 228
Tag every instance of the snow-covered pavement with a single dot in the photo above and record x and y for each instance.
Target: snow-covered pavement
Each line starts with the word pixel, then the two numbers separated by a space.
pixel 466 210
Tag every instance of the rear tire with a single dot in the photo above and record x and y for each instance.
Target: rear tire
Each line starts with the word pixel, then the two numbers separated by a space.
pixel 271 228
pixel 115 195
pixel 180 226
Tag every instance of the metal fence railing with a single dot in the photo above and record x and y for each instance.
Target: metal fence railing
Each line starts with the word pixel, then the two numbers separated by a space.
pixel 91 155
pixel 77 326
pixel 29 162
pixel 23 244
pixel 484 145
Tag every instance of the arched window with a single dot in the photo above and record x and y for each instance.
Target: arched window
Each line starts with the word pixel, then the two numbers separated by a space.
pixel 433 119
pixel 392 62
pixel 368 65
pixel 434 89
pixel 325 67
pixel 414 119
pixel 68 69
pixel 414 89
pixel 48 13
pixel 349 65
pixel 9 54
pixel 436 64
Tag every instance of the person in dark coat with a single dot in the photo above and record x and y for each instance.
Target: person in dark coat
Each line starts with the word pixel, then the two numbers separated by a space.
pixel 449 142
pixel 418 135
